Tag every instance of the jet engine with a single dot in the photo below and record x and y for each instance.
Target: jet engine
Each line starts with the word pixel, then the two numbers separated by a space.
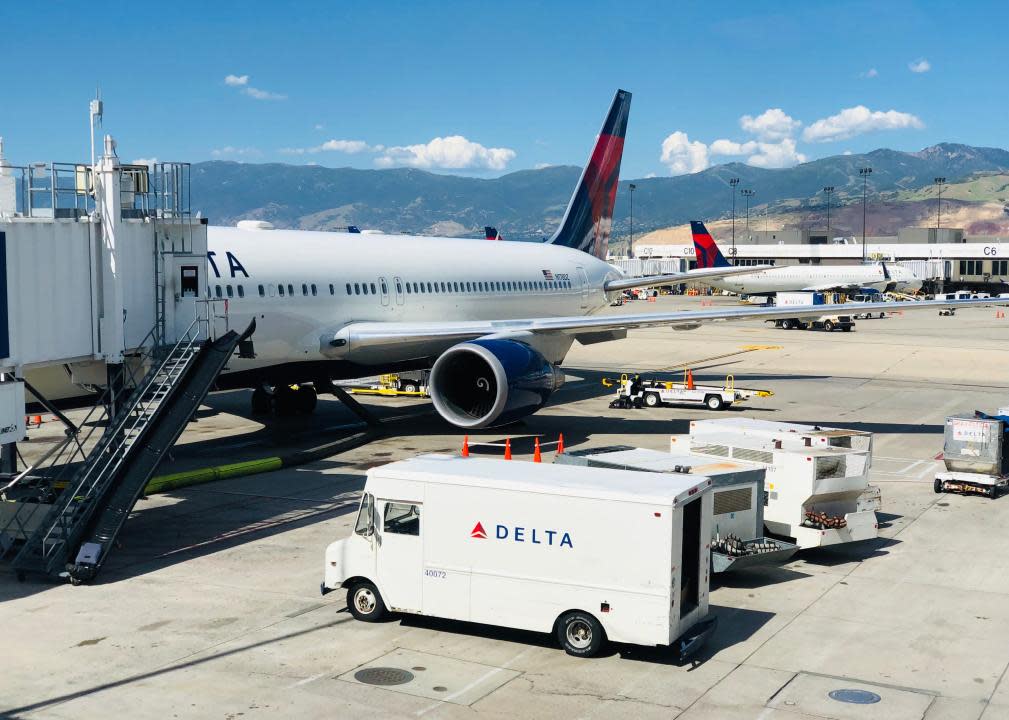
pixel 482 383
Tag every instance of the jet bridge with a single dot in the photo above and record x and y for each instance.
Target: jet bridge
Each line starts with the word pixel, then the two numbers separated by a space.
pixel 103 294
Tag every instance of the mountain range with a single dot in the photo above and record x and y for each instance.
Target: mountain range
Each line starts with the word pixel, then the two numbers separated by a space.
pixel 528 204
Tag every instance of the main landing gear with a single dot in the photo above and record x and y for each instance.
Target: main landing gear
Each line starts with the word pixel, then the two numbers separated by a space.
pixel 284 400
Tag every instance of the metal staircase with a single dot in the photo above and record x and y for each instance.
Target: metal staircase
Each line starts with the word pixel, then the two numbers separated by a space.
pixel 82 525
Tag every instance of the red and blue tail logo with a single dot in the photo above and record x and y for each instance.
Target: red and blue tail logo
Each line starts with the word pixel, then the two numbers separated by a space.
pixel 707 252
pixel 589 217
pixel 491 233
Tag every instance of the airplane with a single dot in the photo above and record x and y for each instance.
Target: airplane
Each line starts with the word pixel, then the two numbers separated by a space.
pixel 852 278
pixel 491 233
pixel 492 321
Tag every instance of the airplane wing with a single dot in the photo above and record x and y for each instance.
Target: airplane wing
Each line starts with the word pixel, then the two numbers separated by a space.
pixel 674 278
pixel 372 337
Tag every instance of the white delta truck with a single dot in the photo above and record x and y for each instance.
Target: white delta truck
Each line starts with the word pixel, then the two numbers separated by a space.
pixel 828 321
pixel 587 554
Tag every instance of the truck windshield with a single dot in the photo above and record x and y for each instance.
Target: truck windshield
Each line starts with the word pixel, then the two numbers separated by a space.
pixel 364 524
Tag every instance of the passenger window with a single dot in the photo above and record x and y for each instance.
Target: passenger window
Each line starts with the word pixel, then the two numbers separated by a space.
pixel 364 287
pixel 241 291
pixel 455 285
pixel 290 289
pixel 217 291
pixel 399 288
pixel 280 290
pixel 262 291
pixel 332 289
pixel 364 524
pixel 349 290
pixel 304 289
pixel 385 288
pixel 373 289
pixel 314 290
pixel 402 519
pixel 357 289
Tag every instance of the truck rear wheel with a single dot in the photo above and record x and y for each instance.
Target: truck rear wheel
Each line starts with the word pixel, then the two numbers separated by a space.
pixel 365 602
pixel 580 634
pixel 652 399
pixel 714 402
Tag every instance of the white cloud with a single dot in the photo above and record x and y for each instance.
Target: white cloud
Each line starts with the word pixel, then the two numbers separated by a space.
pixel 771 125
pixel 857 120
pixel 682 156
pixel 231 151
pixel 149 162
pixel 847 152
pixel 319 126
pixel 258 94
pixel 452 152
pixel 777 155
pixel 242 81
pixel 761 154
pixel 541 166
pixel 344 146
pixel 921 65
pixel 870 73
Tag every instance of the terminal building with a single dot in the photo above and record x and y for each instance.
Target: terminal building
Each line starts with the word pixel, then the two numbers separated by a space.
pixel 945 258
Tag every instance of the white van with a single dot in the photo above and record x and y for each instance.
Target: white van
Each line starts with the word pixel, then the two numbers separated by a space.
pixel 587 554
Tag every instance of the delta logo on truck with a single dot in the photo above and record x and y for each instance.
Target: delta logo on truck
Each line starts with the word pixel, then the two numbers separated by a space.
pixel 515 533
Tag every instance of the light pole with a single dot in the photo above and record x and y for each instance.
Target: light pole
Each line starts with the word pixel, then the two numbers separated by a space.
pixel 828 189
pixel 747 194
pixel 865 173
pixel 630 248
pixel 732 183
pixel 939 181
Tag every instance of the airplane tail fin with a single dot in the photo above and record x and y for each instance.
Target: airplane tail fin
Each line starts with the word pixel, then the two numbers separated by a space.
pixel 589 217
pixel 491 233
pixel 707 252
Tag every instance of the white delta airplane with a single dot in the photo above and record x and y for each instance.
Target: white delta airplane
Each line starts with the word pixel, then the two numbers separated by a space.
pixel 876 276
pixel 492 320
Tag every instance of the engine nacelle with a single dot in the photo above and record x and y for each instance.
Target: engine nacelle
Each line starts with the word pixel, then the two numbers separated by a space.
pixel 481 383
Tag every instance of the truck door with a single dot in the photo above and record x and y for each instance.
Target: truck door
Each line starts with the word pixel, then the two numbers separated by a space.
pixel 400 554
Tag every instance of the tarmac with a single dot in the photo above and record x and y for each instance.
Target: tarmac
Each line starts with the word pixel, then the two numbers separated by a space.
pixel 211 607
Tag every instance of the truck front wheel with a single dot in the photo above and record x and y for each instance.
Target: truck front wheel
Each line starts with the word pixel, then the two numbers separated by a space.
pixel 828 325
pixel 365 602
pixel 714 402
pixel 580 634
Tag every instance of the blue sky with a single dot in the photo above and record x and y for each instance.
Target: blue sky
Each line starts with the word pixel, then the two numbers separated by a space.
pixel 488 88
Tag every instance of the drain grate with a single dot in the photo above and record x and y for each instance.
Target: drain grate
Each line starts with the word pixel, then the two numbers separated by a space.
pixel 383 676
pixel 856 697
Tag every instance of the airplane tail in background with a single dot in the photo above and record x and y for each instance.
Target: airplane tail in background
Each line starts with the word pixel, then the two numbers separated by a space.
pixel 491 233
pixel 589 217
pixel 707 252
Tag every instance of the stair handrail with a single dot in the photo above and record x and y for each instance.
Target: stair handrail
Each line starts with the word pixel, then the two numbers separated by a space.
pixel 68 497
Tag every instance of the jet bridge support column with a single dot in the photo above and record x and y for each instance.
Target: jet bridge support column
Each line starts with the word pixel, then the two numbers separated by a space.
pixel 109 208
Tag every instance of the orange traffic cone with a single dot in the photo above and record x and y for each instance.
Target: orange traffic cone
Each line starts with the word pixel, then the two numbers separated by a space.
pixel 560 444
pixel 536 452
pixel 690 379
pixel 508 448
pixel 465 446
pixel 38 420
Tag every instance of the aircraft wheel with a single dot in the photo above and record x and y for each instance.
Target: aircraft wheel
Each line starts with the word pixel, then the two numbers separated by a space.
pixel 306 399
pixel 262 402
pixel 285 400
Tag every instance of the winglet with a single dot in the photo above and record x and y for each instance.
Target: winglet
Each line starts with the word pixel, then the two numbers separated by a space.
pixel 707 252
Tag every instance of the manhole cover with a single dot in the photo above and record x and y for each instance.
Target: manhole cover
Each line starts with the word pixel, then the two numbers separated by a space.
pixel 857 697
pixel 383 676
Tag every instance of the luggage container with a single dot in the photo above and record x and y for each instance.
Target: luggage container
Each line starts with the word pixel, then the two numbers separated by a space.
pixel 737 524
pixel 976 455
pixel 586 554
pixel 817 490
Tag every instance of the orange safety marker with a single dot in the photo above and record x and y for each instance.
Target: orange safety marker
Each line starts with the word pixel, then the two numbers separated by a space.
pixel 536 452
pixel 465 446
pixel 508 448
pixel 560 444
pixel 690 379
pixel 38 420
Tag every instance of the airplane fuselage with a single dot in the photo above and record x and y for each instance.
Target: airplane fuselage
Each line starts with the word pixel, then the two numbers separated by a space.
pixel 795 278
pixel 300 286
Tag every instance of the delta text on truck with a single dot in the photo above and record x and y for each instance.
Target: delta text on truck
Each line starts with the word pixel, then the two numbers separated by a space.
pixel 587 554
